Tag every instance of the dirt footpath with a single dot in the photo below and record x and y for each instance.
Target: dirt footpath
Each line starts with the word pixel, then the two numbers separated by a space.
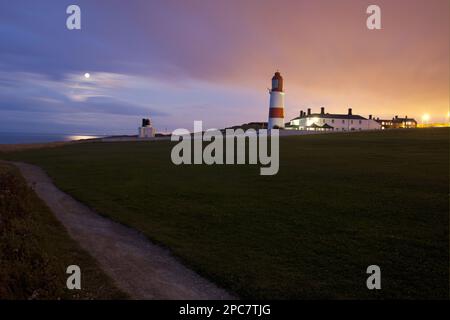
pixel 139 267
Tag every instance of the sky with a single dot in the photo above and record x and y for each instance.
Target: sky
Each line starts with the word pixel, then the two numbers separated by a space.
pixel 180 61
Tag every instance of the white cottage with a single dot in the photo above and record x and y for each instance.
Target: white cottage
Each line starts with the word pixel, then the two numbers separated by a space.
pixel 332 122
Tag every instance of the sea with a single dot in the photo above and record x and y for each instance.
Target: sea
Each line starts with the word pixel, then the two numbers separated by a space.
pixel 13 138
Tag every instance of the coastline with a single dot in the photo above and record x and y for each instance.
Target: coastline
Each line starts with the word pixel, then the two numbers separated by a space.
pixel 12 147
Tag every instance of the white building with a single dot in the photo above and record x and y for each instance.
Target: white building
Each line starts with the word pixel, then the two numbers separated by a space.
pixel 332 122
pixel 146 131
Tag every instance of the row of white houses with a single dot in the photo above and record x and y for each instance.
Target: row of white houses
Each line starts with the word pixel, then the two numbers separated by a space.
pixel 332 122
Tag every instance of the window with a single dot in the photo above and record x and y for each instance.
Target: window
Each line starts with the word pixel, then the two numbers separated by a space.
pixel 360 121
pixel 332 120
pixel 274 84
pixel 343 121
pixel 351 121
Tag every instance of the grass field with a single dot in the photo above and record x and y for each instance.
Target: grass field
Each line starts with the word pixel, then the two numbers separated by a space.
pixel 35 250
pixel 340 203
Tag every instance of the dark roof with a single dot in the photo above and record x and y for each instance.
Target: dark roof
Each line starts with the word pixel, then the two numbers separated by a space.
pixel 379 120
pixel 330 115
pixel 403 119
pixel 277 76
pixel 326 126
pixel 396 120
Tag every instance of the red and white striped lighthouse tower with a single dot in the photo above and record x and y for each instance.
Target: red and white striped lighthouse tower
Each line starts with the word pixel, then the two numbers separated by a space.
pixel 276 110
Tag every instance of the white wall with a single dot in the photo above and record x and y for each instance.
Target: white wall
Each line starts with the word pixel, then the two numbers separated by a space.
pixel 146 132
pixel 338 124
pixel 276 101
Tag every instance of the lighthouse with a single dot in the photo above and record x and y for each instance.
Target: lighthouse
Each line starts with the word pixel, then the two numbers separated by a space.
pixel 147 130
pixel 276 109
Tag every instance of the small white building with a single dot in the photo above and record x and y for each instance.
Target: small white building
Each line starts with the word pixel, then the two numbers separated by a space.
pixel 332 122
pixel 147 130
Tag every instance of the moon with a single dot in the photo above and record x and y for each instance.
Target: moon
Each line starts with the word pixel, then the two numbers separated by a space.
pixel 87 75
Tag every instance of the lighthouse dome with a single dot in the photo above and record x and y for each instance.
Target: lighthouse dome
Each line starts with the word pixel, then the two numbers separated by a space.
pixel 277 82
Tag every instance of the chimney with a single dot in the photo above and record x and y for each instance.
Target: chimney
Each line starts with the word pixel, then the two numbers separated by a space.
pixel 349 111
pixel 396 117
pixel 144 122
pixel 301 113
pixel 322 110
pixel 309 111
pixel 406 117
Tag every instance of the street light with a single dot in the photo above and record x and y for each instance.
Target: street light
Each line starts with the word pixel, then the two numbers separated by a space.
pixel 425 118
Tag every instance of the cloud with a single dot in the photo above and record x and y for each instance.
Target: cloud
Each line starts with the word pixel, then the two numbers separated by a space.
pixel 39 93
pixel 172 103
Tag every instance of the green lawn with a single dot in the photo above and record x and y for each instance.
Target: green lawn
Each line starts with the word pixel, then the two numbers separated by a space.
pixel 35 250
pixel 339 203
